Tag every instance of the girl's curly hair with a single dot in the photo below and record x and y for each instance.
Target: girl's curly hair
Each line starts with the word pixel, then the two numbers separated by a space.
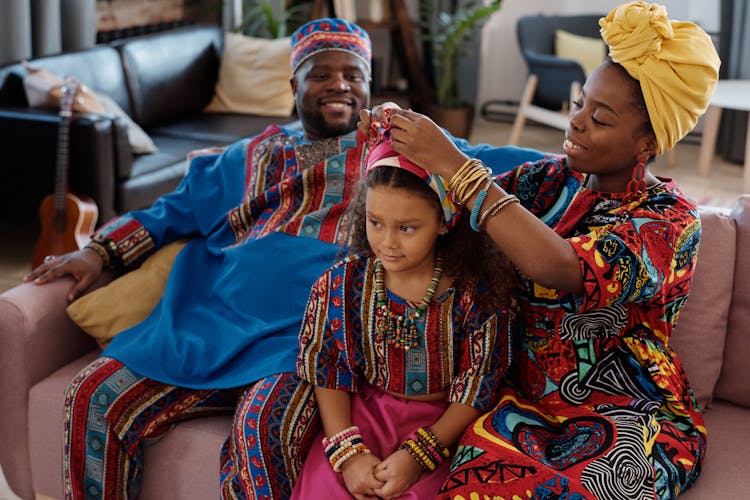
pixel 469 257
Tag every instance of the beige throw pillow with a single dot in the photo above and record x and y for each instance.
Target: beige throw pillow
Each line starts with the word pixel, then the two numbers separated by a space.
pixel 44 90
pixel 126 301
pixel 587 51
pixel 254 77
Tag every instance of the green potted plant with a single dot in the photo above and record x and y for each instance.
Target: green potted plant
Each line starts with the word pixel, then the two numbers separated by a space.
pixel 447 32
pixel 271 19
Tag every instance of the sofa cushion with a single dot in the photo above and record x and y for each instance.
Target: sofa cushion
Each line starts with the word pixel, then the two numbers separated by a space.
pixel 44 89
pixel 100 68
pixel 699 336
pixel 587 51
pixel 126 301
pixel 733 383
pixel 171 150
pixel 171 74
pixel 254 77
pixel 219 128
pixel 725 464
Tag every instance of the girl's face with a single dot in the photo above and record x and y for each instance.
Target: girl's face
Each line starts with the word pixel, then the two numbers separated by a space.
pixel 606 134
pixel 402 228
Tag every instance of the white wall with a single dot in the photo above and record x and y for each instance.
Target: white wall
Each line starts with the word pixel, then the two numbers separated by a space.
pixel 502 72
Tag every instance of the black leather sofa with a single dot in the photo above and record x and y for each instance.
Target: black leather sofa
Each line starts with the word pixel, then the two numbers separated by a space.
pixel 162 80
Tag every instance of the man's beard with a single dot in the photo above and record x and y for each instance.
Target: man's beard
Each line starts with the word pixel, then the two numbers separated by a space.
pixel 315 121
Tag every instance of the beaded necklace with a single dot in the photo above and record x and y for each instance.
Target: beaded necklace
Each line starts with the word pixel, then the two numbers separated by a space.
pixel 399 330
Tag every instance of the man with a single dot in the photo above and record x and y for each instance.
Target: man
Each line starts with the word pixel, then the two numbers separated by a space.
pixel 264 212
pixel 264 221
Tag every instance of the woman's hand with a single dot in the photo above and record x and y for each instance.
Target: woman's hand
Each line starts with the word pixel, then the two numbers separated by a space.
pixel 85 265
pixel 379 113
pixel 422 141
pixel 359 477
pixel 398 473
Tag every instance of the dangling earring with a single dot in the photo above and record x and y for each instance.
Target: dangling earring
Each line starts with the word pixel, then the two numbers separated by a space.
pixel 637 183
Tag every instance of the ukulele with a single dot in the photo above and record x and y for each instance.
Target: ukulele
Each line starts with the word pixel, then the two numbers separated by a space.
pixel 67 220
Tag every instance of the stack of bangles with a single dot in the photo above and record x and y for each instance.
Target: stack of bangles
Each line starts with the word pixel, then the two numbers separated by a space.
pixel 473 177
pixel 426 449
pixel 344 445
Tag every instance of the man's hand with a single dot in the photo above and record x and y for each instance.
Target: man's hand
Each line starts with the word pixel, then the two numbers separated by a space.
pixel 359 478
pixel 84 265
pixel 398 473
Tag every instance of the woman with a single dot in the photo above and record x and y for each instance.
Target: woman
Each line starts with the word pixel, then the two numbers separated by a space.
pixel 597 404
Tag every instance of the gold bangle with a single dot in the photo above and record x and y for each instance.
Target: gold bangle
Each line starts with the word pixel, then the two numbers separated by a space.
pixel 460 172
pixel 470 182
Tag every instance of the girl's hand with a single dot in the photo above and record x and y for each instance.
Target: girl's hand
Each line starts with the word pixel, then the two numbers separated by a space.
pixel 359 477
pixel 422 141
pixel 398 473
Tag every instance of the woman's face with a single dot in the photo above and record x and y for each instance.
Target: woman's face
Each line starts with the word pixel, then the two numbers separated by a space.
pixel 402 229
pixel 607 133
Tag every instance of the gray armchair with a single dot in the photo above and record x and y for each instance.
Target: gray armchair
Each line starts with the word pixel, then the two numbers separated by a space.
pixel 552 80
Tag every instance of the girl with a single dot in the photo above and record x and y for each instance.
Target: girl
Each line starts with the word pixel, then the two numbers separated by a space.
pixel 402 339
pixel 598 405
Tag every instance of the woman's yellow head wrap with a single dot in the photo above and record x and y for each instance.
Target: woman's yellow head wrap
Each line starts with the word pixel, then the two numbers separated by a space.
pixel 674 61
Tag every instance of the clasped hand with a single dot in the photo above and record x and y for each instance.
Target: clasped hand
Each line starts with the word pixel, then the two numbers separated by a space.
pixel 366 476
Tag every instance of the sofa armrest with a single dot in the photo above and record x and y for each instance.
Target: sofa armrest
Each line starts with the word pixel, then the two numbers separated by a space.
pixel 29 137
pixel 36 338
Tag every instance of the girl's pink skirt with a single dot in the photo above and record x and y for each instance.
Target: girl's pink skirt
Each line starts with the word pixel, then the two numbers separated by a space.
pixel 385 422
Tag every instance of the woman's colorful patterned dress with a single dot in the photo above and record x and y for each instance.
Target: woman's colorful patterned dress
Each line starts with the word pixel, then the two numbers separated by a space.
pixel 598 405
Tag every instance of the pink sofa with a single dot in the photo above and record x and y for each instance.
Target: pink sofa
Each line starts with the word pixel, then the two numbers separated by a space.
pixel 41 350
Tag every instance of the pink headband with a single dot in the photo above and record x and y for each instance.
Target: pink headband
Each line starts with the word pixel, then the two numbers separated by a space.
pixel 382 155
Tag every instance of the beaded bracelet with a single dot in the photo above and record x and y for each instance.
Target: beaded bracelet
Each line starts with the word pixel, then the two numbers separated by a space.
pixel 427 434
pixel 101 250
pixel 418 454
pixel 474 219
pixel 340 458
pixel 343 445
pixel 495 208
pixel 348 432
pixel 333 448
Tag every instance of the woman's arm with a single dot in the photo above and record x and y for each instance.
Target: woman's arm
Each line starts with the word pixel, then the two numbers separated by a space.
pixel 539 252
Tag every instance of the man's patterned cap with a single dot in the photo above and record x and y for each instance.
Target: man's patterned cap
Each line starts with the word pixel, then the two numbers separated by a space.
pixel 329 33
